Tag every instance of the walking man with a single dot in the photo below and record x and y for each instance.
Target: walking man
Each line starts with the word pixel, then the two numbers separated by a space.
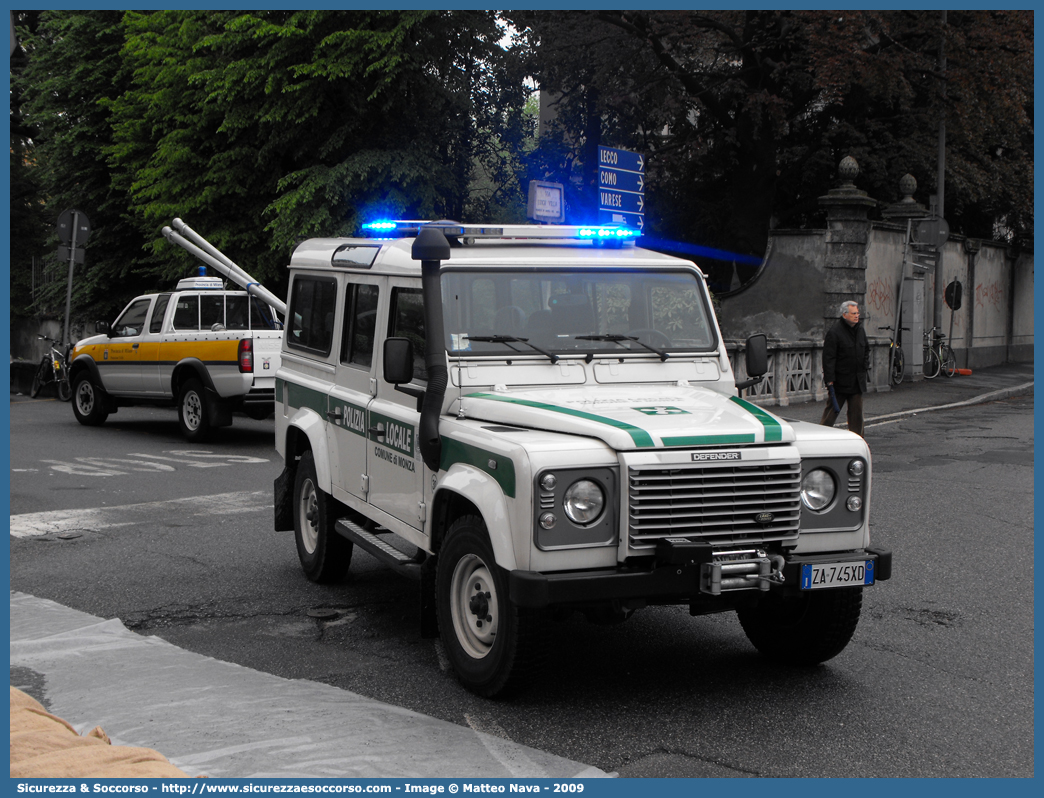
pixel 846 357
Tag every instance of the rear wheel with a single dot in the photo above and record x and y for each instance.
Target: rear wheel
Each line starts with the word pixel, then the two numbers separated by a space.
pixel 931 364
pixel 325 556
pixel 804 629
pixel 41 376
pixel 494 646
pixel 898 366
pixel 949 361
pixel 193 416
pixel 89 402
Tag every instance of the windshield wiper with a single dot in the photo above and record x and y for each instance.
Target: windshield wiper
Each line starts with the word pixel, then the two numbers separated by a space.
pixel 619 339
pixel 510 339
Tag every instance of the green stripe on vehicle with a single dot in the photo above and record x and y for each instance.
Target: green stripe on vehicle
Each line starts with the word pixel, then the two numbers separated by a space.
pixel 299 396
pixel 773 430
pixel 708 440
pixel 639 436
pixel 498 466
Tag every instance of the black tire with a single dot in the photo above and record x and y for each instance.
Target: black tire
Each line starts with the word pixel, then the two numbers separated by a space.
pixel 325 556
pixel 804 629
pixel 949 361
pixel 64 388
pixel 41 376
pixel 90 404
pixel 930 366
pixel 193 413
pixel 898 366
pixel 495 647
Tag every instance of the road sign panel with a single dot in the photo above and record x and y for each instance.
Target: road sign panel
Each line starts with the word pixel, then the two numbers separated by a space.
pixel 619 180
pixel 65 227
pixel 632 220
pixel 621 159
pixel 622 201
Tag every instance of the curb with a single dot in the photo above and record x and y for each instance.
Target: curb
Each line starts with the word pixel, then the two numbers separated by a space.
pixel 992 396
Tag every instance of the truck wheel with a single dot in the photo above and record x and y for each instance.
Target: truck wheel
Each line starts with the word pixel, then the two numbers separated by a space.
pixel 88 401
pixel 494 646
pixel 806 629
pixel 193 417
pixel 325 555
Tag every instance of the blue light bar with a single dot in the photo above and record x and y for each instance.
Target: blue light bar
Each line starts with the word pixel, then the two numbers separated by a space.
pixel 616 233
pixel 380 225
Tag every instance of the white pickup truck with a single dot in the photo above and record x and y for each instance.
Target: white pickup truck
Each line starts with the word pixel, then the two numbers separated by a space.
pixel 201 348
pixel 535 419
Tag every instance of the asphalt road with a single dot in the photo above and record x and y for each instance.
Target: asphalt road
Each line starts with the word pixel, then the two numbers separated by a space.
pixel 937 682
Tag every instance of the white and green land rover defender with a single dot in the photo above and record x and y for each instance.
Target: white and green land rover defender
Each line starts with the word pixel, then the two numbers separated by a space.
pixel 533 419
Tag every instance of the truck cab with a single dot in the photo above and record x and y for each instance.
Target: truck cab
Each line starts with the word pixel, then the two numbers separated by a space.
pixel 534 419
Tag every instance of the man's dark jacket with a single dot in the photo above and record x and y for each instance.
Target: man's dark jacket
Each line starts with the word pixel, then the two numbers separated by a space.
pixel 846 357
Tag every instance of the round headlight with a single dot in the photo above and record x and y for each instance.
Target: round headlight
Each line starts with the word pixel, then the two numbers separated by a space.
pixel 856 468
pixel 583 502
pixel 817 489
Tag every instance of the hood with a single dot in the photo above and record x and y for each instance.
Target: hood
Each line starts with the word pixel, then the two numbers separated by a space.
pixel 634 417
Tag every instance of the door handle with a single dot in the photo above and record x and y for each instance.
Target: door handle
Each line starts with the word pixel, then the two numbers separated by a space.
pixel 377 432
pixel 334 415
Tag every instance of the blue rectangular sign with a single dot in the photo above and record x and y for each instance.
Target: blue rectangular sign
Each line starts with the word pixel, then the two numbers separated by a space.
pixel 622 201
pixel 620 159
pixel 619 180
pixel 635 221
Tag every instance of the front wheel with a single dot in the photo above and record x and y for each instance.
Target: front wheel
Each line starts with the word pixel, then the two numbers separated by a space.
pixel 898 366
pixel 325 556
pixel 494 646
pixel 949 361
pixel 88 401
pixel 41 376
pixel 193 416
pixel 804 629
pixel 931 364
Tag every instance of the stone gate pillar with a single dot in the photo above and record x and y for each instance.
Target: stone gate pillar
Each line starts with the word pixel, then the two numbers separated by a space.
pixel 848 232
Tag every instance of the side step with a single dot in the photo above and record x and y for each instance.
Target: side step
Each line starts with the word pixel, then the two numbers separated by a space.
pixel 382 550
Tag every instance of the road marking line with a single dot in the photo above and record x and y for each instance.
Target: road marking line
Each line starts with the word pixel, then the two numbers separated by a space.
pixel 29 525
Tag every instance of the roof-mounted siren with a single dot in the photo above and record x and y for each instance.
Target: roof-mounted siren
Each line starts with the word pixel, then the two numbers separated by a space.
pixel 606 235
pixel 193 243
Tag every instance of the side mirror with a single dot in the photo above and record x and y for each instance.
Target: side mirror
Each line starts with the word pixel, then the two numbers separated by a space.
pixel 101 327
pixel 757 360
pixel 398 361
pixel 757 355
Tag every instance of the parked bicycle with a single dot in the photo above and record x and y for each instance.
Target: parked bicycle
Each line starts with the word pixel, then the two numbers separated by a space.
pixel 896 361
pixel 938 356
pixel 53 368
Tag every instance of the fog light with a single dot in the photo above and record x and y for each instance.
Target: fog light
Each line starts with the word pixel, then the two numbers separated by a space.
pixel 856 468
pixel 854 503
pixel 547 520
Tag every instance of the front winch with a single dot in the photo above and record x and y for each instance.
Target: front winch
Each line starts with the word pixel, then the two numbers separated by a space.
pixel 747 569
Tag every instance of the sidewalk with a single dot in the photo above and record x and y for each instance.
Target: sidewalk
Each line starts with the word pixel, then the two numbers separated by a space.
pixel 984 385
pixel 226 721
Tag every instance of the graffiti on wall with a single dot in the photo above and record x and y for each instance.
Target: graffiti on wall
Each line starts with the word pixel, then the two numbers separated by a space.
pixel 991 295
pixel 880 299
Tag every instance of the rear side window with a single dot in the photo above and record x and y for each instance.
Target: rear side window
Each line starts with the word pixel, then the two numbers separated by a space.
pixel 310 317
pixel 186 314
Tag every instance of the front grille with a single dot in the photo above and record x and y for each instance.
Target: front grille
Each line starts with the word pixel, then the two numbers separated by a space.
pixel 718 504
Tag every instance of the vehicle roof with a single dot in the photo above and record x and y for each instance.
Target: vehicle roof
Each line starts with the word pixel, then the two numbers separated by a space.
pixel 395 256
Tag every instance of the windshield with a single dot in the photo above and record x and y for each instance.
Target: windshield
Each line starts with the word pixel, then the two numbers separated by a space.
pixel 568 312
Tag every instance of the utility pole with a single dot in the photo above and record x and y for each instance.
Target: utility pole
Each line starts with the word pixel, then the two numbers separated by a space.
pixel 940 180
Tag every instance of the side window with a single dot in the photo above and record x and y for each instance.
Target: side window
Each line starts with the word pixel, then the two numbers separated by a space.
pixel 237 314
pixel 156 325
pixel 261 316
pixel 132 321
pixel 310 317
pixel 407 321
pixel 186 313
pixel 360 325
pixel 212 312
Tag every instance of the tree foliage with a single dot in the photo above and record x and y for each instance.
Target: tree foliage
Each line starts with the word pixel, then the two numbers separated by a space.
pixel 744 115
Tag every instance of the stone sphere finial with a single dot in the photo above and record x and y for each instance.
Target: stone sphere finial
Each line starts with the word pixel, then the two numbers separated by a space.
pixel 907 186
pixel 848 169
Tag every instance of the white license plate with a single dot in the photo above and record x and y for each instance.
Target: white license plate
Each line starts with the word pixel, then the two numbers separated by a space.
pixel 815 576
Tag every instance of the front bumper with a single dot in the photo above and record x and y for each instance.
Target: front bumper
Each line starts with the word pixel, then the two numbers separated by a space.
pixel 681 572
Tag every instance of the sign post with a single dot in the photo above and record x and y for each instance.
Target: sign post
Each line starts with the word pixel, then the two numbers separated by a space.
pixel 73 229
pixel 621 187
